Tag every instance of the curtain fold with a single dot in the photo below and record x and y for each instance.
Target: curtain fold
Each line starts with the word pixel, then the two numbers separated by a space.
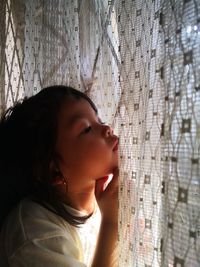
pixel 2 54
pixel 141 117
pixel 139 61
pixel 181 140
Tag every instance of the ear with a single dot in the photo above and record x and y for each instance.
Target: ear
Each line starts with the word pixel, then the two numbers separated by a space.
pixel 54 168
pixel 57 178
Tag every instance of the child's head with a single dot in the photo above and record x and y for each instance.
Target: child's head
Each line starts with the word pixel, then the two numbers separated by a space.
pixel 48 137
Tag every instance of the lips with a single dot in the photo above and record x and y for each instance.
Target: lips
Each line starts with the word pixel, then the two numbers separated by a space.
pixel 116 145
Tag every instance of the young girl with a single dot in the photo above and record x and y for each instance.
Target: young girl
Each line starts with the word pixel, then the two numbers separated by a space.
pixel 55 157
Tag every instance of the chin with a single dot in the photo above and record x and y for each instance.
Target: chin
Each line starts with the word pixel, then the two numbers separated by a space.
pixel 108 170
pixel 111 169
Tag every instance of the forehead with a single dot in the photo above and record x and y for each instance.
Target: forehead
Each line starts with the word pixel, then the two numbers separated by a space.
pixel 74 109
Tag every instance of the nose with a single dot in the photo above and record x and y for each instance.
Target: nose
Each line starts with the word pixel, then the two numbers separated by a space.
pixel 108 131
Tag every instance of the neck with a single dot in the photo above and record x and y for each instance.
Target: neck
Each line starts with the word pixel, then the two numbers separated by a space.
pixel 83 200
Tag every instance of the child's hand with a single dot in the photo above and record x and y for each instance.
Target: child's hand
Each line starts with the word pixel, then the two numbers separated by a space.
pixel 107 198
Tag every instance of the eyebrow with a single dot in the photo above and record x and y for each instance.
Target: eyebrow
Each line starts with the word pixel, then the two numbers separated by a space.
pixel 77 118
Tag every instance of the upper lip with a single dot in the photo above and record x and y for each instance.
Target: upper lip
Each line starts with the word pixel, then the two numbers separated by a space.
pixel 116 144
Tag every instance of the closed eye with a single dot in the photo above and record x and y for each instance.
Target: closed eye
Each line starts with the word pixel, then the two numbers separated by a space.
pixel 87 130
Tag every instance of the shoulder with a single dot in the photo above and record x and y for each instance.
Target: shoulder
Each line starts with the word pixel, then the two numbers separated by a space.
pixel 30 221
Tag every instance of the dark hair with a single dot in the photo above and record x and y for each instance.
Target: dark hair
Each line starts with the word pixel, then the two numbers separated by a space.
pixel 28 133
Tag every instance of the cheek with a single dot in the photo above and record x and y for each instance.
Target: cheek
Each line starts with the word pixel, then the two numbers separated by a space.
pixel 88 152
pixel 95 150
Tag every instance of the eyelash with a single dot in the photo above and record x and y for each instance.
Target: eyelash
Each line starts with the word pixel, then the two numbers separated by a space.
pixel 88 129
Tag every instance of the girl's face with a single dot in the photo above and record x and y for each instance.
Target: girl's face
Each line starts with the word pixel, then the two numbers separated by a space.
pixel 84 145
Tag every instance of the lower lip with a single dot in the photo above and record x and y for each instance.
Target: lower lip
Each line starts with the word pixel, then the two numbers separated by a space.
pixel 115 148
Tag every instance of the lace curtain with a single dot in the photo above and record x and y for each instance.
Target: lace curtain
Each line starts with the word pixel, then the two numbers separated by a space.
pixel 139 61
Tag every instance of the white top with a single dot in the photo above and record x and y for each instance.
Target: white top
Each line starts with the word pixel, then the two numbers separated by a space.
pixel 33 236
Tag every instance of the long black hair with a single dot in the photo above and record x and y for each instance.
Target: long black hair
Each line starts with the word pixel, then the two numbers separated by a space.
pixel 28 134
